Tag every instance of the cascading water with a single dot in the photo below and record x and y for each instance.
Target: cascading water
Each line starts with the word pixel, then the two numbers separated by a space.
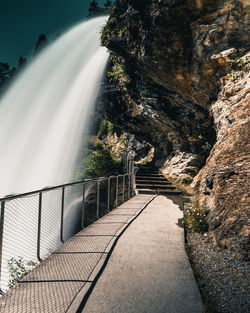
pixel 44 113
pixel 42 121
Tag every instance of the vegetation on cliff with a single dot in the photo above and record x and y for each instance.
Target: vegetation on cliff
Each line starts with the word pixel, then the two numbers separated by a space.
pixel 96 10
pixel 104 153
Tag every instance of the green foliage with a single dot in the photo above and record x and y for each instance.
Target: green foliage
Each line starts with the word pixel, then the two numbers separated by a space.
pixel 123 140
pixel 18 268
pixel 100 162
pixel 106 31
pixel 111 29
pixel 42 42
pixel 119 71
pixel 205 145
pixel 95 9
pixel 187 180
pixel 106 128
pixel 195 219
pixel 6 75
pixel 232 76
pixel 237 64
pixel 108 5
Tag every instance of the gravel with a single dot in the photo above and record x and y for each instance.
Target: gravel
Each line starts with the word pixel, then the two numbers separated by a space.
pixel 223 280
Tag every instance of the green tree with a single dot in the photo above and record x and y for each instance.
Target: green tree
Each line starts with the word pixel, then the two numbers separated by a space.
pixel 108 4
pixel 41 44
pixel 6 74
pixel 21 63
pixel 93 8
pixel 101 162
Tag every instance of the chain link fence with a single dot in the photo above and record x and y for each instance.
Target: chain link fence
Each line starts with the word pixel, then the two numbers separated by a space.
pixel 33 225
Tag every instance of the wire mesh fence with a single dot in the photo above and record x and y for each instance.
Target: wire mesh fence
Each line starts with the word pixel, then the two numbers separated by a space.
pixel 33 225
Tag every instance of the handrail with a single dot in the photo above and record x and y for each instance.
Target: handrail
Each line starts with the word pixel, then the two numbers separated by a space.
pixel 15 196
pixel 119 186
pixel 87 180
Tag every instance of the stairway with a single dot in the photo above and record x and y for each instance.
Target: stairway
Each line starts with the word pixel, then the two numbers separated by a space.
pixel 150 181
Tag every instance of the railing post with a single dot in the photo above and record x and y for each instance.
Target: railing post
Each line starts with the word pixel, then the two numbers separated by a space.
pixel 117 191
pixel 108 205
pixel 1 239
pixel 83 205
pixel 123 178
pixel 133 184
pixel 129 184
pixel 98 199
pixel 39 227
pixel 62 214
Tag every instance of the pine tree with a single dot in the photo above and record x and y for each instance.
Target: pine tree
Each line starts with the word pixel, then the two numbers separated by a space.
pixel 93 8
pixel 6 74
pixel 41 43
pixel 21 63
pixel 108 4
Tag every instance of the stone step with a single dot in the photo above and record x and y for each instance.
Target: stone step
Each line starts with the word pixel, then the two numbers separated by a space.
pixel 147 171
pixel 149 175
pixel 152 182
pixel 168 192
pixel 143 186
pixel 159 192
pixel 147 192
pixel 148 168
pixel 152 177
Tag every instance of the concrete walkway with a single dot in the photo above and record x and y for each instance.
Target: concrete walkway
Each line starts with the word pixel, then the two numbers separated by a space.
pixel 148 271
pixel 60 283
pixel 132 260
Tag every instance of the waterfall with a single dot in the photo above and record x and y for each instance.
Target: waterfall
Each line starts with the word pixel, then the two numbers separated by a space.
pixel 45 112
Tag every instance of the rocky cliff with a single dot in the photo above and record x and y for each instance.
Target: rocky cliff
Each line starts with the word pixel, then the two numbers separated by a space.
pixel 178 79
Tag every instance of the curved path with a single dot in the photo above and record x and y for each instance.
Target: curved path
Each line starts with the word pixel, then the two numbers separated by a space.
pixel 132 260
pixel 148 271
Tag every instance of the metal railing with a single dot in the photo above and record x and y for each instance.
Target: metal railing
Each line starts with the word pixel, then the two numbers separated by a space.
pixel 35 224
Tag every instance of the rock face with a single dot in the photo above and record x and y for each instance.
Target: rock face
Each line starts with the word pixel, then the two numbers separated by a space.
pixel 228 165
pixel 178 79
pixel 171 51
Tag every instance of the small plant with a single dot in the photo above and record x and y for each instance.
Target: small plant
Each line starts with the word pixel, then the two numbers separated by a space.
pixel 108 30
pixel 119 71
pixel 101 162
pixel 123 139
pixel 237 64
pixel 232 76
pixel 195 218
pixel 187 180
pixel 18 268
pixel 106 128
pixel 111 29
pixel 205 145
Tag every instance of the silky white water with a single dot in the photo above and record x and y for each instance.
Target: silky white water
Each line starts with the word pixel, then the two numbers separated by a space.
pixel 43 117
pixel 44 113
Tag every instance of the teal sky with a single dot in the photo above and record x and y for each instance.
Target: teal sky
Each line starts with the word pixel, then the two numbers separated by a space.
pixel 21 22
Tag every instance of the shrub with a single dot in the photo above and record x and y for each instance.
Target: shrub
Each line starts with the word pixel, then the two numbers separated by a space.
pixel 119 71
pixel 238 64
pixel 195 219
pixel 206 142
pixel 18 268
pixel 111 29
pixel 100 162
pixel 106 128
pixel 187 180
